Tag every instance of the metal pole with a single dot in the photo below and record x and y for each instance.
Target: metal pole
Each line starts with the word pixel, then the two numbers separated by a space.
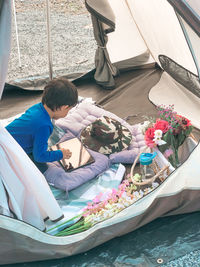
pixel 16 30
pixel 49 41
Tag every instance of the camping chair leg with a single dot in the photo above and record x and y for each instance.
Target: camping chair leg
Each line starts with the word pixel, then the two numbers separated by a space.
pixel 49 41
pixel 16 30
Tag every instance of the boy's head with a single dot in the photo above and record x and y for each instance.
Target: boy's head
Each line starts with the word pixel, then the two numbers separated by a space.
pixel 60 95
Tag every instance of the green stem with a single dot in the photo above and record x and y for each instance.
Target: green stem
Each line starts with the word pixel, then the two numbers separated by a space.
pixel 176 157
pixel 75 231
pixel 74 226
pixel 64 222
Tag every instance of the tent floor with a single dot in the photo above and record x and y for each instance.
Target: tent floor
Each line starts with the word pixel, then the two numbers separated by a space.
pixel 128 100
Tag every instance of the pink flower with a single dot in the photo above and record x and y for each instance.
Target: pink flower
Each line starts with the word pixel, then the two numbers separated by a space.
pixel 114 192
pixel 122 187
pixel 119 193
pixel 97 199
pixel 168 152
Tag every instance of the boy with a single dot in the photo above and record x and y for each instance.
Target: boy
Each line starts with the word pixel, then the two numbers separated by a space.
pixel 33 129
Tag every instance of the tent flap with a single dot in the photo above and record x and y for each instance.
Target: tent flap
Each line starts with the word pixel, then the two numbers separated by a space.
pixel 103 20
pixel 181 75
pixel 103 12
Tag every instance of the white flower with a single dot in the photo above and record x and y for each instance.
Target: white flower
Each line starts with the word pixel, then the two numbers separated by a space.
pixel 134 198
pixel 141 193
pixel 147 190
pixel 157 138
pixel 155 184
pixel 124 195
pixel 119 206
pixel 106 215
pixel 108 206
pixel 159 141
pixel 137 195
pixel 158 133
pixel 97 219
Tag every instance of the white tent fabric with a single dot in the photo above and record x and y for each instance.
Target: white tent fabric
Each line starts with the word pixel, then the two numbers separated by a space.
pixel 181 43
pixel 30 196
pixel 5 41
pixel 161 30
pixel 194 43
pixel 4 208
pixel 195 5
pixel 167 91
pixel 21 203
pixel 125 45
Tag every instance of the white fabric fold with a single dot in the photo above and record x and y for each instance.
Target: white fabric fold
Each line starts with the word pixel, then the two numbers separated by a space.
pixel 30 196
pixel 5 41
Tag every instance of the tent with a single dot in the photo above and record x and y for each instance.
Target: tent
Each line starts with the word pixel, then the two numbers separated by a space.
pixel 127 61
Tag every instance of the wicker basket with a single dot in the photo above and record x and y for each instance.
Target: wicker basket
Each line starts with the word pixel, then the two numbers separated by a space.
pixel 161 167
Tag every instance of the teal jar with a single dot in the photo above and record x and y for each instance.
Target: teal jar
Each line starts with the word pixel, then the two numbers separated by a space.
pixel 146 161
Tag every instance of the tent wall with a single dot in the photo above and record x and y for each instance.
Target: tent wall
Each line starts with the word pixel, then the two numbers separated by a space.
pixel 167 91
pixel 193 41
pixel 190 11
pixel 161 30
pixel 5 40
pixel 125 45
pixel 181 46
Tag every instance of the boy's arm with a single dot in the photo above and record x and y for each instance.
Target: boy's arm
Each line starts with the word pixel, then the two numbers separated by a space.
pixel 40 146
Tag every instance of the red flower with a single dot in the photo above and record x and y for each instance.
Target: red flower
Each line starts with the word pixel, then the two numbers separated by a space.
pixel 150 133
pixel 149 136
pixel 177 130
pixel 161 125
pixel 185 123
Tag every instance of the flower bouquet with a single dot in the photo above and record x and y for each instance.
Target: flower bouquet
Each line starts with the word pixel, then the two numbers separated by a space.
pixel 168 132
pixel 106 205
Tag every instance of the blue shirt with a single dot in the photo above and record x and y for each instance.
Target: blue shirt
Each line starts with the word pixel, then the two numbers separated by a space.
pixel 32 131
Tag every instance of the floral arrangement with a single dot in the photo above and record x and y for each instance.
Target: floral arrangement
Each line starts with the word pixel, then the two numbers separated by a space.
pixel 167 132
pixel 105 206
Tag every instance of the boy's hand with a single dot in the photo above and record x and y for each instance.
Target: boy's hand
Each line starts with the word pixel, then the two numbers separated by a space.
pixel 66 153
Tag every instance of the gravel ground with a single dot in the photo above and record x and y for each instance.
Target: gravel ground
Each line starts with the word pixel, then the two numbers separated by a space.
pixel 72 40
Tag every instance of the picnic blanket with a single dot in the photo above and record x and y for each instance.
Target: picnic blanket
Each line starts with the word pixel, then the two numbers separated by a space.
pixel 79 197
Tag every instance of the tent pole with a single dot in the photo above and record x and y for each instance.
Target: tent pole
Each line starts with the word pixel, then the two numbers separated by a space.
pixel 16 30
pixel 49 41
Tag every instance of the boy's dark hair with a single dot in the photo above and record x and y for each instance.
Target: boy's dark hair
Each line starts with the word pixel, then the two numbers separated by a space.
pixel 59 92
